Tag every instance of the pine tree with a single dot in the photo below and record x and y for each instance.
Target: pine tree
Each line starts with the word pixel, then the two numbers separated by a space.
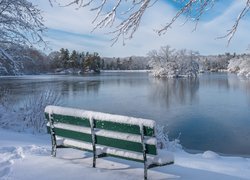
pixel 64 57
pixel 73 60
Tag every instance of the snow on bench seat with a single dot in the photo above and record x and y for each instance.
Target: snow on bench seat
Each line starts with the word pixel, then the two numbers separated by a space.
pixel 163 157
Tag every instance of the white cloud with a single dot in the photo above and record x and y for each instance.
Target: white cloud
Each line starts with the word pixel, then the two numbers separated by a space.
pixel 203 39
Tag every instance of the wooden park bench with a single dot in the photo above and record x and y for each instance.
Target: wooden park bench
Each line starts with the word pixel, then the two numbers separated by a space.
pixel 106 135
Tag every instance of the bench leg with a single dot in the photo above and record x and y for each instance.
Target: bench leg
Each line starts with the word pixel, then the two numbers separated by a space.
pixel 94 161
pixel 53 151
pixel 145 171
pixel 53 140
pixel 144 152
pixel 92 126
pixel 53 136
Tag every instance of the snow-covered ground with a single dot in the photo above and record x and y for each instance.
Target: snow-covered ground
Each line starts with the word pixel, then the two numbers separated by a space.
pixel 25 156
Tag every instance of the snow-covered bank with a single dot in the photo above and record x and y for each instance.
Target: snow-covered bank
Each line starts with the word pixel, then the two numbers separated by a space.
pixel 127 71
pixel 26 156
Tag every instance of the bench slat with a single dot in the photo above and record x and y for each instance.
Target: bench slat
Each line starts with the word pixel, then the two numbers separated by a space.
pixel 106 141
pixel 120 127
pixel 73 135
pixel 71 120
pixel 127 145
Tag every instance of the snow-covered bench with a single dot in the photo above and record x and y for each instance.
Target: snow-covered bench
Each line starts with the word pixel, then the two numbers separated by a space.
pixel 106 134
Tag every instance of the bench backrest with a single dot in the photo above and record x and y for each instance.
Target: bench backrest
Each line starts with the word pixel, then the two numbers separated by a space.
pixel 114 131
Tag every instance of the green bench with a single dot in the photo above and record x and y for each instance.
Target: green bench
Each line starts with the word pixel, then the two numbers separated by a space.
pixel 106 135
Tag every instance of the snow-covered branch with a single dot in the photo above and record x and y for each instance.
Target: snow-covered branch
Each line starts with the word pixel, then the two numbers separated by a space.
pixel 234 28
pixel 20 22
pixel 106 14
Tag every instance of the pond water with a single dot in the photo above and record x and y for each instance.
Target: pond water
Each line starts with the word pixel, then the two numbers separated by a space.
pixel 211 112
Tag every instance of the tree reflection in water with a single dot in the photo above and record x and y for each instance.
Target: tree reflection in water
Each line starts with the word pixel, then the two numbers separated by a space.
pixel 168 91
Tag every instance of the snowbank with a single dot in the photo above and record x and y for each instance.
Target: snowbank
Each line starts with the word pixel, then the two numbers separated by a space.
pixel 26 156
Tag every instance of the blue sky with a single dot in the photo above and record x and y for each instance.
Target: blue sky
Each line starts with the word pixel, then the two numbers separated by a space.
pixel 219 7
pixel 70 28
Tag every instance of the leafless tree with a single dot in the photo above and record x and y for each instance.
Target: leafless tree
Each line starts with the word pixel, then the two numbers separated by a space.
pixel 20 22
pixel 105 16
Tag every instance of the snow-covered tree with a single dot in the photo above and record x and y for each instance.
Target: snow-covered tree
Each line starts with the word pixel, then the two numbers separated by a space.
pixel 240 65
pixel 215 63
pixel 168 62
pixel 8 66
pixel 107 12
pixel 16 59
pixel 163 62
pixel 21 23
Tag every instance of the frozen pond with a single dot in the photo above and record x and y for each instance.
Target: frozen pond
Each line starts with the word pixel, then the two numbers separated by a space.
pixel 211 112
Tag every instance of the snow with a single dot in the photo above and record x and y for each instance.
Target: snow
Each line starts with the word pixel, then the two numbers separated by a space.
pixel 123 136
pixel 210 155
pixel 26 156
pixel 100 116
pixel 75 143
pixel 161 158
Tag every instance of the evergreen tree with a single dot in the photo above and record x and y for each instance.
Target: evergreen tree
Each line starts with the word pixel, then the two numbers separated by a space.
pixel 118 64
pixel 64 57
pixel 82 59
pixel 102 64
pixel 73 60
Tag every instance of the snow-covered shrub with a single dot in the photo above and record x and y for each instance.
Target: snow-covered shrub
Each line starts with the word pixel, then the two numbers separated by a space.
pixel 162 138
pixel 170 63
pixel 30 115
pixel 4 105
pixel 8 113
pixel 240 65
pixel 163 141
